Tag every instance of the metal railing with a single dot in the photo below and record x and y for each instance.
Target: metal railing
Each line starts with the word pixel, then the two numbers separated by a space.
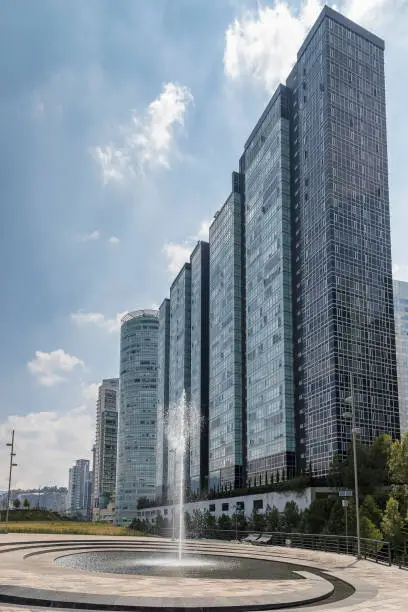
pixel 401 557
pixel 377 551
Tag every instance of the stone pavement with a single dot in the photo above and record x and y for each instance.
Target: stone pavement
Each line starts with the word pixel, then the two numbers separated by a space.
pixel 378 587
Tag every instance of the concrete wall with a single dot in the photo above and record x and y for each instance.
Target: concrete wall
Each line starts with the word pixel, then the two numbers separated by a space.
pixel 217 507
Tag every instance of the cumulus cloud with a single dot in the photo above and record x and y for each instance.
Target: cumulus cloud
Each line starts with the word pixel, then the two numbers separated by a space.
pixel 91 237
pixel 373 13
pixel 400 272
pixel 203 232
pixel 47 443
pixel 262 45
pixel 145 141
pixel 47 367
pixel 178 253
pixel 113 240
pixel 97 318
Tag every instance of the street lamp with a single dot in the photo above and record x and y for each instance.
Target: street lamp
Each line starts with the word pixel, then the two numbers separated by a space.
pixel 354 430
pixel 172 451
pixel 12 464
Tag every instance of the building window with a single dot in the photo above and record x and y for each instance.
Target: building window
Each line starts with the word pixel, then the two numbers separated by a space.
pixel 258 504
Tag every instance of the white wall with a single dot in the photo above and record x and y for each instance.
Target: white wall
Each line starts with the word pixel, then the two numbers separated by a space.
pixel 302 498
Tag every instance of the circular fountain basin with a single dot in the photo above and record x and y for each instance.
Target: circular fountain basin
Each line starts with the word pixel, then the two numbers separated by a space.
pixel 190 566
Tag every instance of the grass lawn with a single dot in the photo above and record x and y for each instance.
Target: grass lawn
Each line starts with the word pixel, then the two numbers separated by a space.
pixel 67 527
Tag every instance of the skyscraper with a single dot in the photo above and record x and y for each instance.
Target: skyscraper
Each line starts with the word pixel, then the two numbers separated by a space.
pixel 342 284
pixel 300 287
pixel 104 479
pixel 401 341
pixel 79 489
pixel 227 342
pixel 180 352
pixel 199 261
pixel 136 459
pixel 162 397
pixel 265 165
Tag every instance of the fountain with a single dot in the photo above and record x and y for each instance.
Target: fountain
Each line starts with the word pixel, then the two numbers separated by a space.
pixel 176 430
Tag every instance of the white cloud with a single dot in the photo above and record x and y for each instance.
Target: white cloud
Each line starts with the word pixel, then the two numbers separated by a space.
pixel 204 230
pixel 98 319
pixel 113 240
pixel 47 367
pixel 372 13
pixel 263 44
pixel 47 443
pixel 400 272
pixel 147 141
pixel 91 237
pixel 177 255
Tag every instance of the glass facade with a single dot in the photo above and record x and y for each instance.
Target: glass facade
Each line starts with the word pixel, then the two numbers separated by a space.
pixel 401 340
pixel 162 397
pixel 104 472
pixel 227 341
pixel 136 461
pixel 199 367
pixel 342 284
pixel 180 351
pixel 269 359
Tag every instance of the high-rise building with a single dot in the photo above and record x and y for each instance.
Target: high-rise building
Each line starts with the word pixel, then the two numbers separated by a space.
pixel 265 164
pixel 227 342
pixel 162 397
pixel 301 298
pixel 136 459
pixel 198 430
pixel 79 494
pixel 180 354
pixel 342 283
pixel 401 341
pixel 104 479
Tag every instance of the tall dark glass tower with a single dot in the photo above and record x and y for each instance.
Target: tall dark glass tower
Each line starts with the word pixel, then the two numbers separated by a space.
pixel 269 358
pixel 342 283
pixel 162 397
pixel 180 354
pixel 199 261
pixel 227 342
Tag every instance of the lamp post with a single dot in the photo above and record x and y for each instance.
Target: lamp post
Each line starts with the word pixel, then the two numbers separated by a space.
pixel 354 430
pixel 173 452
pixel 12 464
pixel 345 506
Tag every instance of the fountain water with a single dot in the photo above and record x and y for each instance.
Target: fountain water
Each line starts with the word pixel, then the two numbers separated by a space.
pixel 177 431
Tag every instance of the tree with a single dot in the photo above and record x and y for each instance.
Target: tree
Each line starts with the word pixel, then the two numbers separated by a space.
pixel 370 510
pixel 337 519
pixel 224 522
pixel 258 521
pixel 318 513
pixel 392 523
pixel 16 503
pixel 272 519
pixel 372 466
pixel 291 516
pixel 26 503
pixel 398 461
pixel 369 530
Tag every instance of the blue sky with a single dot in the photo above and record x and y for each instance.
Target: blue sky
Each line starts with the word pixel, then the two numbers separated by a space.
pixel 120 124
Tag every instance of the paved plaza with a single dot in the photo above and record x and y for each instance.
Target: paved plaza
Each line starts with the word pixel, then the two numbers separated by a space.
pixel 28 571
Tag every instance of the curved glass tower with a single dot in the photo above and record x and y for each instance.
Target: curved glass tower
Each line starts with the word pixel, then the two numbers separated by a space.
pixel 136 463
